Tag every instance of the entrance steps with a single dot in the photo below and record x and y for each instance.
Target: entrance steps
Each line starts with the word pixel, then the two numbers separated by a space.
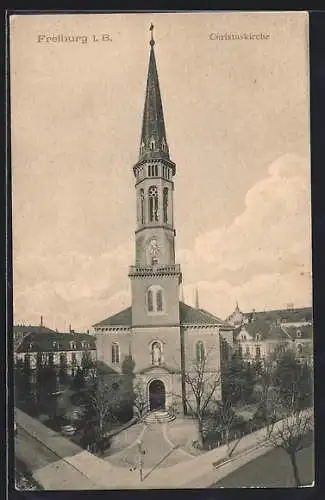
pixel 158 417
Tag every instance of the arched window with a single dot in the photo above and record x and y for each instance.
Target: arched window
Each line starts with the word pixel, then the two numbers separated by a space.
pixel 199 351
pixel 165 204
pixel 115 353
pixel 155 299
pixel 153 203
pixel 150 300
pixel 299 348
pixel 142 206
pixel 240 351
pixel 159 300
pixel 258 352
pixel 247 351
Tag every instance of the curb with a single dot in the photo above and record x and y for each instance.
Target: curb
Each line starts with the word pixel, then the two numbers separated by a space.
pixel 242 454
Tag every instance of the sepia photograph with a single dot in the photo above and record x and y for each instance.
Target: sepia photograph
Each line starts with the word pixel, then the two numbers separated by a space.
pixel 161 250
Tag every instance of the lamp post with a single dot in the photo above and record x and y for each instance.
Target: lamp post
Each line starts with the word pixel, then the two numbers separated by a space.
pixel 140 458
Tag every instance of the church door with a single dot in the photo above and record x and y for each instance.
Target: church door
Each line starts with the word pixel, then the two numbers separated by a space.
pixel 157 395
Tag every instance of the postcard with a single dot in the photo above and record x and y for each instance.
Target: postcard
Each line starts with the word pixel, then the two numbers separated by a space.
pixel 162 278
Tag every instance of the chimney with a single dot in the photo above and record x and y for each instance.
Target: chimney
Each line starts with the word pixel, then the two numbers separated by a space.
pixel 41 320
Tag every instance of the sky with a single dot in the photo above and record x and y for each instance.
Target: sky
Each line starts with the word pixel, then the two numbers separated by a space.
pixel 237 123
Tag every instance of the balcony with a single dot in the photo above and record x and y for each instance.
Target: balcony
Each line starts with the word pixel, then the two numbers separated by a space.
pixel 156 269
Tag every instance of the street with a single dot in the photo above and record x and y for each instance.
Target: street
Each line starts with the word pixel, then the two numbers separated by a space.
pixel 31 451
pixel 272 470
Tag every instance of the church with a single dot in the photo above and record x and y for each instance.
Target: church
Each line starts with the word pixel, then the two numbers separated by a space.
pixel 165 338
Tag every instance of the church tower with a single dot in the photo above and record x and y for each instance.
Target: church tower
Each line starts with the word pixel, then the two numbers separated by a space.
pixel 155 277
pixel 160 334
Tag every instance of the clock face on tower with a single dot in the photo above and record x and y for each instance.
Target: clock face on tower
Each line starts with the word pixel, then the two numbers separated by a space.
pixel 154 248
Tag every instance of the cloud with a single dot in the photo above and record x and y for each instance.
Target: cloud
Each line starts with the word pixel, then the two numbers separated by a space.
pixel 263 257
pixel 71 287
pixel 261 292
pixel 274 228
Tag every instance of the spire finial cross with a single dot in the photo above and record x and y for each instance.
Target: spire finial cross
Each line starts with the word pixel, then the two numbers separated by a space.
pixel 152 42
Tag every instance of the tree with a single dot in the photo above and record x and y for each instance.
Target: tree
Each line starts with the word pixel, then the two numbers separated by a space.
pixel 224 419
pixel 22 379
pixel 140 401
pixel 202 383
pixel 293 381
pixel 103 407
pixel 290 434
pixel 79 379
pixel 88 365
pixel 238 381
pixel 63 370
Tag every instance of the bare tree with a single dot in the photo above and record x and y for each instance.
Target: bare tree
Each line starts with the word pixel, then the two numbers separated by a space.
pixel 290 434
pixel 224 419
pixel 202 383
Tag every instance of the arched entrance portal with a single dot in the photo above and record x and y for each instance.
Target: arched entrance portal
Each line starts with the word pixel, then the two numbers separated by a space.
pixel 157 395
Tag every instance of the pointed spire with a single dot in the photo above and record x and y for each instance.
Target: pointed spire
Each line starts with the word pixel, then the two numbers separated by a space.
pixel 197 305
pixel 41 320
pixel 153 143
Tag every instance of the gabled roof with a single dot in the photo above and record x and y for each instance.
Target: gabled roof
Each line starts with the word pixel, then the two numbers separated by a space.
pixel 188 316
pixel 282 315
pixel 122 318
pixel 299 332
pixel 266 330
pixel 25 329
pixel 192 316
pixel 43 342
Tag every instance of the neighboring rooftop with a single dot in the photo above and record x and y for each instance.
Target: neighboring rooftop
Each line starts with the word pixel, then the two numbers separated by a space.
pixel 54 341
pixel 267 330
pixel 32 329
pixel 292 315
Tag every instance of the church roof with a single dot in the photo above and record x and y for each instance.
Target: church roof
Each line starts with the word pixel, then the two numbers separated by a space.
pixel 188 315
pixel 122 318
pixel 194 316
pixel 153 142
